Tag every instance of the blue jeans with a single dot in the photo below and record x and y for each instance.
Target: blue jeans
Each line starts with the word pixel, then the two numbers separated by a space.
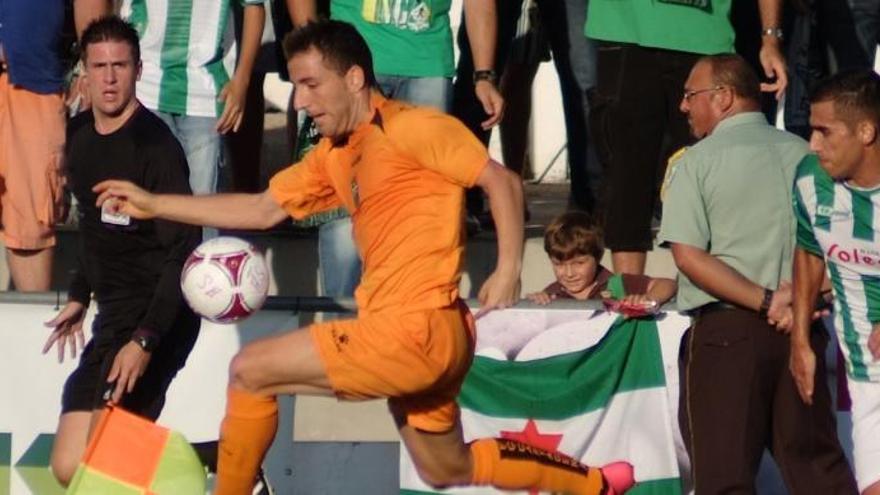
pixel 575 57
pixel 338 258
pixel 636 88
pixel 849 28
pixel 866 17
pixel 423 91
pixel 202 145
pixel 582 50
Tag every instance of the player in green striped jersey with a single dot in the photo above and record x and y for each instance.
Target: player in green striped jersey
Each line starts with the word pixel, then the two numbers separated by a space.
pixel 837 205
pixel 191 77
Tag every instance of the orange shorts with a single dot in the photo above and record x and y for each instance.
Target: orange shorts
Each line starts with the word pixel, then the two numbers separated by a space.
pixel 31 152
pixel 417 360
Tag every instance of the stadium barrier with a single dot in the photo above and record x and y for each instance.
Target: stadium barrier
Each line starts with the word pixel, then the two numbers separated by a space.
pixel 329 447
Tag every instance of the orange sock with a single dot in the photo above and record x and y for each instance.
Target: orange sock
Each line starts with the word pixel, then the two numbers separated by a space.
pixel 245 435
pixel 513 465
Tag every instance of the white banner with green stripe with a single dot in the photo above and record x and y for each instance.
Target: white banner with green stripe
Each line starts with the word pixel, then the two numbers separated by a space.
pixel 585 383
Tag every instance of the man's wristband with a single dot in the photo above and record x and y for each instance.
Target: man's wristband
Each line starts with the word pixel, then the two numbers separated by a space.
pixel 765 303
pixel 775 32
pixel 485 75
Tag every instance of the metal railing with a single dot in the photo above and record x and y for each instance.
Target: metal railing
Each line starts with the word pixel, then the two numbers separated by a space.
pixel 310 304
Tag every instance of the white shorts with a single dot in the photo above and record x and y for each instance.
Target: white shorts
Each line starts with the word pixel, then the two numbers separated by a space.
pixel 866 431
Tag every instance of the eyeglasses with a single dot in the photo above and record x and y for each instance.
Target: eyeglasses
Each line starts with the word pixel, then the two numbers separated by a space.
pixel 690 94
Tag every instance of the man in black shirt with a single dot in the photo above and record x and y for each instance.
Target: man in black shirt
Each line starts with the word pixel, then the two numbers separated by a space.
pixel 143 331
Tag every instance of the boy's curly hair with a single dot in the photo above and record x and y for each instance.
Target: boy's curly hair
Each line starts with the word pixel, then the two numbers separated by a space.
pixel 573 234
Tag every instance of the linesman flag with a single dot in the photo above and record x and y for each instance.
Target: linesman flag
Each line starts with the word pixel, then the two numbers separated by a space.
pixel 129 455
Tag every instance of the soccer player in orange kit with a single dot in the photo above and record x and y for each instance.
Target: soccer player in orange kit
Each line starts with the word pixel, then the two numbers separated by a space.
pixel 401 171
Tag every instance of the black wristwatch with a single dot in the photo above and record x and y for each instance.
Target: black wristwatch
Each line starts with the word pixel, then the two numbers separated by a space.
pixel 146 342
pixel 485 75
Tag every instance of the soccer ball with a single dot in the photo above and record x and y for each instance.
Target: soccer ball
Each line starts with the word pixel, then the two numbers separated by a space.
pixel 225 279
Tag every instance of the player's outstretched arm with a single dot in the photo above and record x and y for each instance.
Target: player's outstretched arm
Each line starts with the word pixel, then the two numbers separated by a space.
pixel 505 192
pixel 225 211
pixel 809 272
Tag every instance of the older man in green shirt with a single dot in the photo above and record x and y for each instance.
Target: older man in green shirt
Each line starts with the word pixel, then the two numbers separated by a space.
pixel 645 50
pixel 727 216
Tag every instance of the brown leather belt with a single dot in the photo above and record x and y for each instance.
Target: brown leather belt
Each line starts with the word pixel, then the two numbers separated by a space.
pixel 716 306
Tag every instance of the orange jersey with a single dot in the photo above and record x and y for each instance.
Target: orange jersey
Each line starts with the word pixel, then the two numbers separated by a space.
pixel 402 176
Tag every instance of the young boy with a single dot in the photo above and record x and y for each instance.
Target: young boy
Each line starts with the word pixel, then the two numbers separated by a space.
pixel 574 245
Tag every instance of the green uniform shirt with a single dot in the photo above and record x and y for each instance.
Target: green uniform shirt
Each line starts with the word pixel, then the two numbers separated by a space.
pixel 841 223
pixel 410 38
pixel 187 52
pixel 693 26
pixel 730 194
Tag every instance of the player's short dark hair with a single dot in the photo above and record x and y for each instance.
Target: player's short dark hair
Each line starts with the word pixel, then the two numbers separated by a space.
pixel 111 28
pixel 732 71
pixel 338 42
pixel 573 234
pixel 854 93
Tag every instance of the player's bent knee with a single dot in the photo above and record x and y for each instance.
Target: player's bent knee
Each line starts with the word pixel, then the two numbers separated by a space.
pixel 440 477
pixel 63 468
pixel 242 372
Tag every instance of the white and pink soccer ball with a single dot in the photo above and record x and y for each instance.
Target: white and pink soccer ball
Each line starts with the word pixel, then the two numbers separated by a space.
pixel 225 279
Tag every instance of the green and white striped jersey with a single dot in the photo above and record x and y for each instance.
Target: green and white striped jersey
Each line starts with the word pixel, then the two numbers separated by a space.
pixel 188 53
pixel 842 224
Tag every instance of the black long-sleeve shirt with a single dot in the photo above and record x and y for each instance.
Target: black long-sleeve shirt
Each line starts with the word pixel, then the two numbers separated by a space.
pixel 134 269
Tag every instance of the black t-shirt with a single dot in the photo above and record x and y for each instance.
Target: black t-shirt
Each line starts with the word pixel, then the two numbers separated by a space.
pixel 133 269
